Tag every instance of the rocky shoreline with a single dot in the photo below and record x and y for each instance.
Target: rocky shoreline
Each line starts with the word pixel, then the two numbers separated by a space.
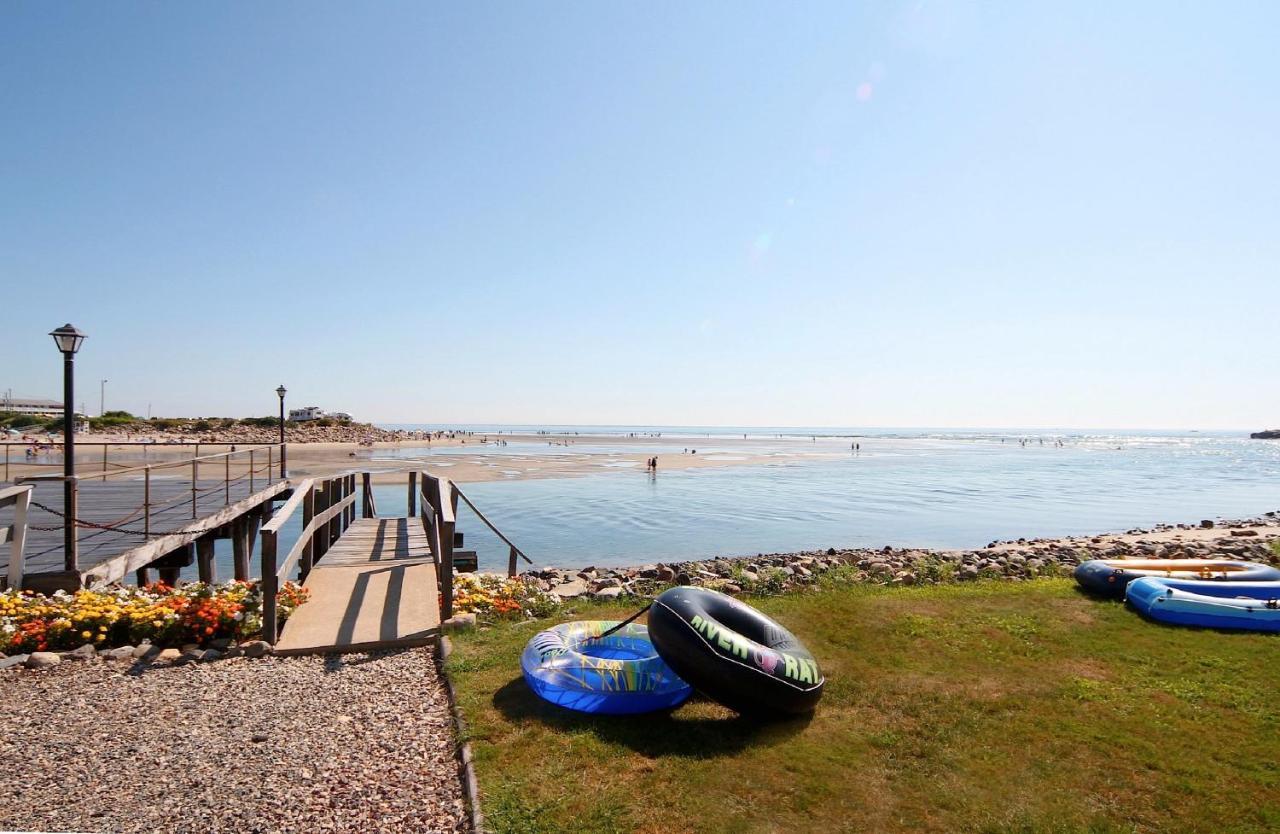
pixel 1255 540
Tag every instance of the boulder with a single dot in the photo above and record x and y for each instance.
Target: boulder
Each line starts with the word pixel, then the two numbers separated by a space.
pixel 118 653
pixel 608 593
pixel 570 590
pixel 85 652
pixel 257 648
pixel 42 660
pixel 459 622
pixel 15 660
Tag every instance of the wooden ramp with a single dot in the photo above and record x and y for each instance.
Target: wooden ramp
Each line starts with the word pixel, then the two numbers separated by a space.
pixel 375 588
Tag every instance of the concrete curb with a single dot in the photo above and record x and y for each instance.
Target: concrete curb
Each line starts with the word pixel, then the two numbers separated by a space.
pixel 466 766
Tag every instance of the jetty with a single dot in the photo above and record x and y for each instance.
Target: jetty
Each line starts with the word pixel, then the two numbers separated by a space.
pixel 373 581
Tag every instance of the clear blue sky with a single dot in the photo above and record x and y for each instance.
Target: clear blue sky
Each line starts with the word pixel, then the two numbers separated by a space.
pixel 919 213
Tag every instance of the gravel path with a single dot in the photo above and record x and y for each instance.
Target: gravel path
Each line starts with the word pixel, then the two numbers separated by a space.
pixel 353 743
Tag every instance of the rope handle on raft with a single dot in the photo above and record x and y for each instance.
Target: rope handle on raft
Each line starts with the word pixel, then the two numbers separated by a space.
pixel 628 621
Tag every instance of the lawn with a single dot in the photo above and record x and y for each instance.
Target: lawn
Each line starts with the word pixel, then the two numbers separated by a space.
pixel 976 707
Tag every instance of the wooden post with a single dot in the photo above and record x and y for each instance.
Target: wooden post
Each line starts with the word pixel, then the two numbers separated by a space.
pixel 413 494
pixel 511 562
pixel 253 520
pixel 445 525
pixel 226 481
pixel 146 503
pixel 104 461
pixel 320 541
pixel 308 513
pixel 142 577
pixel 251 472
pixel 18 538
pixel 193 487
pixel 205 559
pixel 366 505
pixel 270 586
pixel 239 548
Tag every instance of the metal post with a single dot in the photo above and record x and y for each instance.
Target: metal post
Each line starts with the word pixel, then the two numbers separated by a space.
pixel 146 502
pixel 270 462
pixel 251 472
pixel 69 459
pixel 280 391
pixel 104 461
pixel 226 480
pixel 193 487
pixel 71 562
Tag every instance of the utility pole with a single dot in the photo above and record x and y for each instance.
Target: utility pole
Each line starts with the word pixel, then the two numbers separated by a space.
pixel 102 399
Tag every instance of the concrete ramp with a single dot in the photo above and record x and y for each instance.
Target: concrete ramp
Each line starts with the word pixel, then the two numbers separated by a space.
pixel 376 588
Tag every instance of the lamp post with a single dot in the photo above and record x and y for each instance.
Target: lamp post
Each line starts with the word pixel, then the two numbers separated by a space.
pixel 280 392
pixel 102 399
pixel 68 340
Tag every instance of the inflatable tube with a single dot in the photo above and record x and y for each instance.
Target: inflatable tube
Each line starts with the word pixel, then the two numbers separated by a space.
pixel 1109 577
pixel 571 666
pixel 733 653
pixel 1251 606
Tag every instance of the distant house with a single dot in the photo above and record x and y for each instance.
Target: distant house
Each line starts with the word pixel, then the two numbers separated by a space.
pixel 20 405
pixel 302 415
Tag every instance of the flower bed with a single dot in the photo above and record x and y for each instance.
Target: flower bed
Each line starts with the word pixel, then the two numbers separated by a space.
pixel 192 613
pixel 498 597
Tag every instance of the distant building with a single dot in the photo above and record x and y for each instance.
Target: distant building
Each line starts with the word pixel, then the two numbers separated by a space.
pixel 21 405
pixel 302 415
pixel 340 416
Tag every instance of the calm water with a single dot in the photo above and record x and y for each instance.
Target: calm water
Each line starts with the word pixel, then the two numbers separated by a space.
pixel 957 490
pixel 930 490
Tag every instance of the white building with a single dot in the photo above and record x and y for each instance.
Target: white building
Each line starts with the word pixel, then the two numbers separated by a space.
pixel 308 412
pixel 26 405
pixel 340 416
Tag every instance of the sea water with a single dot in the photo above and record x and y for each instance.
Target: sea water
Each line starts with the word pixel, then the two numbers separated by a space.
pixel 924 488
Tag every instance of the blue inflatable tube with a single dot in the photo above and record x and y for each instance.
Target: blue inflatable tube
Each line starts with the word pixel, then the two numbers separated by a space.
pixel 571 666
pixel 1250 606
pixel 1110 577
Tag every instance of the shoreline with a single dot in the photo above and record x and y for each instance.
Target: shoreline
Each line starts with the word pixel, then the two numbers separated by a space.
pixel 1253 539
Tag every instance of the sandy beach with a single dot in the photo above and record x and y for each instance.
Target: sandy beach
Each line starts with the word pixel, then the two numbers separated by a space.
pixel 466 459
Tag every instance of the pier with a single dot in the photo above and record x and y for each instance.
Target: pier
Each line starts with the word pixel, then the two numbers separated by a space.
pixel 373 581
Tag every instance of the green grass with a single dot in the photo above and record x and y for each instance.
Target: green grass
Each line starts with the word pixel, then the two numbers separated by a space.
pixel 981 707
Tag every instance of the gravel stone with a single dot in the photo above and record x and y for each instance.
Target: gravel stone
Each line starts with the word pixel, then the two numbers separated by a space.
pixel 167 749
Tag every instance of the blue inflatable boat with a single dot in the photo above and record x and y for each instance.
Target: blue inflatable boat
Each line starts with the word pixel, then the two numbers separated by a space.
pixel 1251 606
pixel 572 666
pixel 1110 577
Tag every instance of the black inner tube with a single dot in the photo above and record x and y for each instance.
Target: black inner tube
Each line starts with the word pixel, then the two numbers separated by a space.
pixel 733 653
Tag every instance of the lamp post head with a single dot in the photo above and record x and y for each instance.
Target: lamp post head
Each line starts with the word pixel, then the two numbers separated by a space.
pixel 68 339
pixel 280 392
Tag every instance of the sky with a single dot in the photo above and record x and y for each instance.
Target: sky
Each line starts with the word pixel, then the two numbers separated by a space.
pixel 718 213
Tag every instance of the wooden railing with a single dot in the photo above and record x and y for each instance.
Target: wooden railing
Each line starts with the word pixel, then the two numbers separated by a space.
pixel 439 507
pixel 15 534
pixel 249 463
pixel 328 508
pixel 99 463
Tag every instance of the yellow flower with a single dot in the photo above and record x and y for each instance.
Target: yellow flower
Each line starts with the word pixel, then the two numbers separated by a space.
pixel 86 634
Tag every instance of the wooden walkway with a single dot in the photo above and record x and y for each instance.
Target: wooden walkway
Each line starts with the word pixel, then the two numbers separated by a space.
pixel 374 588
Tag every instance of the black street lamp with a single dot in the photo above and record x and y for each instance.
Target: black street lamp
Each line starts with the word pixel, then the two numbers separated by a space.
pixel 280 392
pixel 68 340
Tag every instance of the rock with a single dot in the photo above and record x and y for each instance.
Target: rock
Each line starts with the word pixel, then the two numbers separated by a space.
pixel 608 593
pixel 233 651
pixel 85 652
pixel 570 590
pixel 665 574
pixel 1206 524
pixel 209 655
pixel 258 738
pixel 42 660
pixel 968 572
pixel 168 655
pixel 119 653
pixel 257 648
pixel 608 582
pixel 146 651
pixel 905 577
pixel 731 589
pixel 1244 533
pixel 15 660
pixel 459 622
pixel 221 644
